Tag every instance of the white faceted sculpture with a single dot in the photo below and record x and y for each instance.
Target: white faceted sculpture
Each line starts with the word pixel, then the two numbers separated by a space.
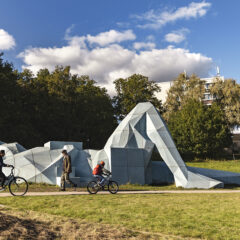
pixel 143 128
pixel 127 154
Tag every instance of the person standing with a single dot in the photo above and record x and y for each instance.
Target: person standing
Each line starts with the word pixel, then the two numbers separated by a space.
pixel 67 169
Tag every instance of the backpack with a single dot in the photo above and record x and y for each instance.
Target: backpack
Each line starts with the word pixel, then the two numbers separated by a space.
pixel 97 170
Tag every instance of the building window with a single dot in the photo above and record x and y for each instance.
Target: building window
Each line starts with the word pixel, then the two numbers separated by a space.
pixel 207 97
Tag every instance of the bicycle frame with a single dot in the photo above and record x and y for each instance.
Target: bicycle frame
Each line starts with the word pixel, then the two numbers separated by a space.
pixel 94 186
pixel 107 179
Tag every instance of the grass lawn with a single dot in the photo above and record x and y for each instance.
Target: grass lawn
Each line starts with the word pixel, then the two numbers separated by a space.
pixel 204 216
pixel 232 166
pixel 42 187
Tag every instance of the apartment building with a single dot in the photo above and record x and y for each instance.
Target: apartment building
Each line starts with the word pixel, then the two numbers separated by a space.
pixel 208 97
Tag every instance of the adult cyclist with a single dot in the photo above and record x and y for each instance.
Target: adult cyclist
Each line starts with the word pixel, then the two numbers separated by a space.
pixel 99 171
pixel 2 164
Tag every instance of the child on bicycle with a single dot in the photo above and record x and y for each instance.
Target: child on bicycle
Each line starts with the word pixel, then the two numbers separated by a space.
pixel 99 170
pixel 2 164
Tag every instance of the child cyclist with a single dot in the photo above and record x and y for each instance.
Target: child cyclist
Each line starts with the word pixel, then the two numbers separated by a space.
pixel 99 171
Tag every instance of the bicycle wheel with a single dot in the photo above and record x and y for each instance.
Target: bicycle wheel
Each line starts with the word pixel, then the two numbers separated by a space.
pixel 92 187
pixel 113 187
pixel 18 186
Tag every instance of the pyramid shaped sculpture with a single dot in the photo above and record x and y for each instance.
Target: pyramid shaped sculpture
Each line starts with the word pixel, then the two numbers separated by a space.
pixel 143 128
pixel 127 154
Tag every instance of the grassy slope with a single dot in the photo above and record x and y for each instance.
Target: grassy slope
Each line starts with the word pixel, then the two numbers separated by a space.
pixel 211 216
pixel 232 166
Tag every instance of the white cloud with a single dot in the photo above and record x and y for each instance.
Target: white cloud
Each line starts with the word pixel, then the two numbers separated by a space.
pixel 150 38
pixel 102 39
pixel 107 63
pixel 112 36
pixel 6 40
pixel 156 19
pixel 144 45
pixel 176 36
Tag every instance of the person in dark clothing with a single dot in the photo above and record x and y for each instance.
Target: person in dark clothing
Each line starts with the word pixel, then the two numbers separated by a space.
pixel 2 164
pixel 67 169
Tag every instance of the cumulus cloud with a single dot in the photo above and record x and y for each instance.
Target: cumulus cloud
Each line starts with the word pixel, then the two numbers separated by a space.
pixel 112 36
pixel 109 62
pixel 156 19
pixel 144 45
pixel 6 40
pixel 176 36
pixel 102 39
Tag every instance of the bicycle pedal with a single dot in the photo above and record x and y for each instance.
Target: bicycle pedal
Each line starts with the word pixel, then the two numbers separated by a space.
pixel 2 189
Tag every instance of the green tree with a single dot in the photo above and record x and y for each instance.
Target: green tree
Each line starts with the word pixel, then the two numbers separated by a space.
pixel 183 89
pixel 227 95
pixel 66 107
pixel 199 130
pixel 12 122
pixel 132 90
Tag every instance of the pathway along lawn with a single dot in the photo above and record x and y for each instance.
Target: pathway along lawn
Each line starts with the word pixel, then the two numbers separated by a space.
pixel 210 216
pixel 42 187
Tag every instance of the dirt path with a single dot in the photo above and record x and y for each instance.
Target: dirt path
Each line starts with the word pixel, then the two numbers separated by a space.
pixel 5 194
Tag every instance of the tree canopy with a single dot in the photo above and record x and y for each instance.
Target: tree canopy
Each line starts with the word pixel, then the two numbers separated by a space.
pixel 133 90
pixel 183 89
pixel 62 106
pixel 53 106
pixel 227 95
pixel 11 121
pixel 199 130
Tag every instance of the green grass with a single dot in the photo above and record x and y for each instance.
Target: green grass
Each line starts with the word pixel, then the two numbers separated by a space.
pixel 43 187
pixel 210 216
pixel 232 166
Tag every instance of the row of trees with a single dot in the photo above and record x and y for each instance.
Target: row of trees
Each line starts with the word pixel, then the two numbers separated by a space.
pixel 226 95
pixel 200 130
pixel 60 106
pixel 53 106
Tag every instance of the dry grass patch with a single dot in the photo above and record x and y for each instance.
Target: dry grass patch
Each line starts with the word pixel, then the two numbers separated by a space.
pixel 33 225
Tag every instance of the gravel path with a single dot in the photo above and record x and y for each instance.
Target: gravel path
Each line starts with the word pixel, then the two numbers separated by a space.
pixel 5 194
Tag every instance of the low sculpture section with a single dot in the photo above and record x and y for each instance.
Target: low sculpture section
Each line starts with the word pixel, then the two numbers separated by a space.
pixel 127 153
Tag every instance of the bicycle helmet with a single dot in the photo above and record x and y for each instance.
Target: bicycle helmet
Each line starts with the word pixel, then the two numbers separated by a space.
pixel 102 163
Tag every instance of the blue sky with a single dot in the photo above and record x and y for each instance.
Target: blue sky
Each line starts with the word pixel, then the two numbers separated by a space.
pixel 110 39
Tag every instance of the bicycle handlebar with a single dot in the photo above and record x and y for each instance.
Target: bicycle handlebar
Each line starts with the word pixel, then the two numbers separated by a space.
pixel 107 174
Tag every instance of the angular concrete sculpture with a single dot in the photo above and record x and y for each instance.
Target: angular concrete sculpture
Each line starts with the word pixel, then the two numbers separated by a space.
pixel 127 154
pixel 141 129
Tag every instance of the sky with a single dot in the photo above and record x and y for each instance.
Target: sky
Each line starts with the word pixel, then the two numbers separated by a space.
pixel 111 39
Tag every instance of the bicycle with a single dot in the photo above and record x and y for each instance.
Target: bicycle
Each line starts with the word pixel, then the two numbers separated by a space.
pixel 94 186
pixel 17 186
